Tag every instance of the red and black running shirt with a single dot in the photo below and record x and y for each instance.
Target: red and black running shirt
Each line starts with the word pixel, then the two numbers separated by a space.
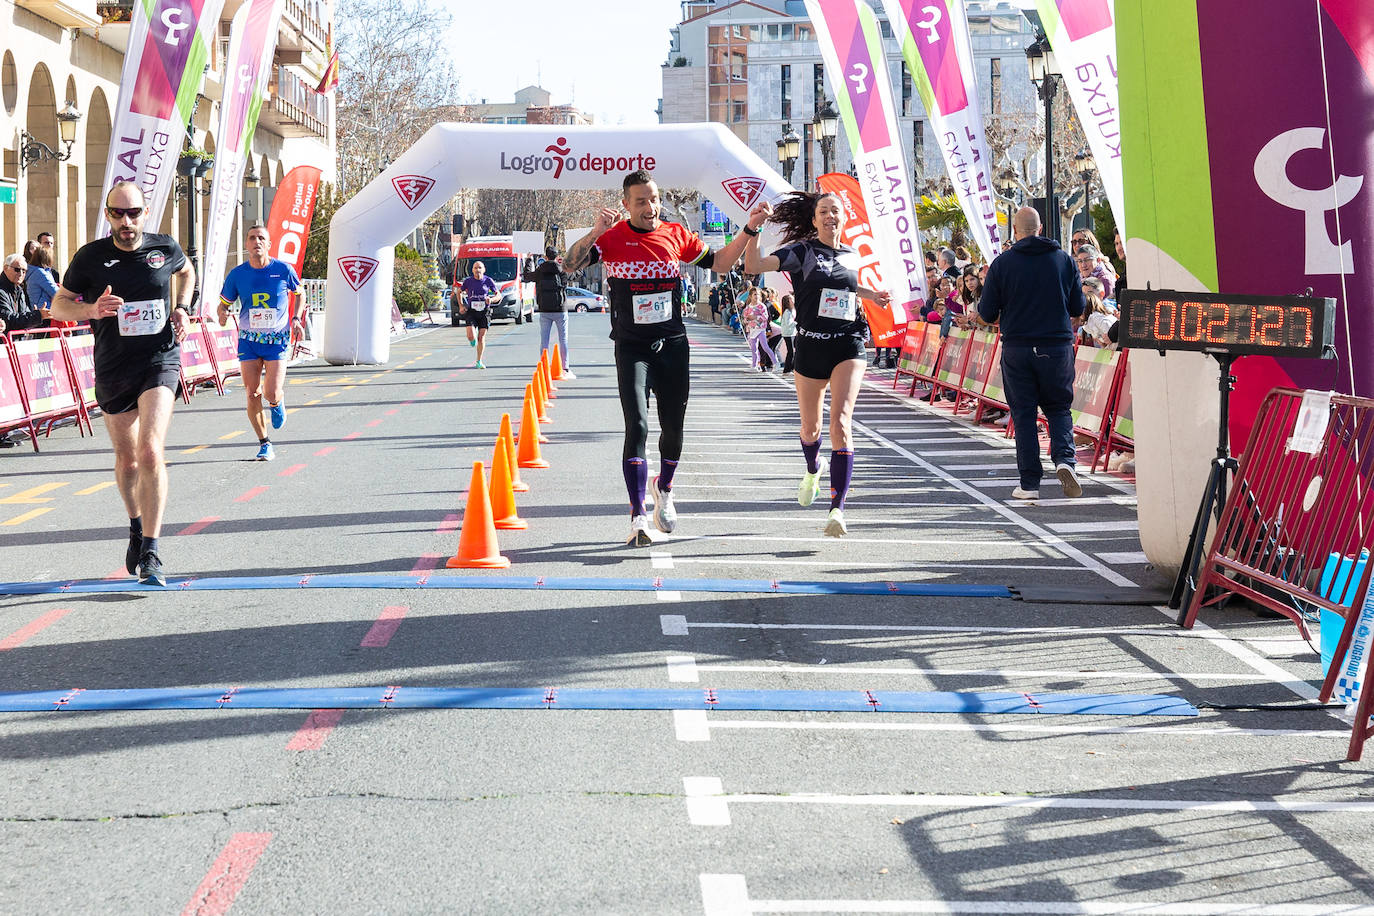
pixel 644 280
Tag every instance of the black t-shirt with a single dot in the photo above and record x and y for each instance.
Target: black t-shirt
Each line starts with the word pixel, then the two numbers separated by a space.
pixel 825 282
pixel 142 276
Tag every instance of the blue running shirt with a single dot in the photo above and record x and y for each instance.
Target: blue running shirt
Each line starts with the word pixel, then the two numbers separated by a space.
pixel 264 300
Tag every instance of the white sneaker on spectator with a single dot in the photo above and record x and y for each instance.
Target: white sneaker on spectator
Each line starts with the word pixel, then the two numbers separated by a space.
pixel 1068 479
pixel 834 524
pixel 567 373
pixel 1128 466
pixel 639 532
pixel 1019 493
pixel 1001 421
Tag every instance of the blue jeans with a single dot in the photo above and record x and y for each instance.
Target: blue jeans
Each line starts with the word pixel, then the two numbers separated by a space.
pixel 547 322
pixel 1039 377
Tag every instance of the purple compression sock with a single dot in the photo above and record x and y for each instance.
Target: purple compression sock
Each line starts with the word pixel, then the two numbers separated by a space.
pixel 636 482
pixel 841 472
pixel 812 452
pixel 666 469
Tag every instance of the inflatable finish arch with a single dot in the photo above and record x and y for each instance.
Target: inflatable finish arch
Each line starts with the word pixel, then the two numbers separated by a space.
pixel 707 157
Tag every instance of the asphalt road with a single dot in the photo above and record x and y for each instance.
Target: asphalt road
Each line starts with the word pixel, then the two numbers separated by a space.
pixel 620 811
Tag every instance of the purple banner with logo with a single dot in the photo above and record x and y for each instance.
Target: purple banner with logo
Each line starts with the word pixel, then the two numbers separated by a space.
pixel 841 21
pixel 931 26
pixel 1291 149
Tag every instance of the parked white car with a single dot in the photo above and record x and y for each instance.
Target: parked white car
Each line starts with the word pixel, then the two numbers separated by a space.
pixel 584 300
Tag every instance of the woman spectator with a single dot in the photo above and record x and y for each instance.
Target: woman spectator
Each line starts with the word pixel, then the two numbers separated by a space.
pixel 756 328
pixel 1098 318
pixel 41 283
pixel 787 331
pixel 830 331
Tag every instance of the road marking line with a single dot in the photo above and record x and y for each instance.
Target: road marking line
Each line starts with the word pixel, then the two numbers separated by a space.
pixel 318 725
pixel 1124 558
pixel 1090 527
pixel 352 436
pixel 227 875
pixel 28 516
pixel 294 469
pixel 860 564
pixel 312 403
pixel 450 523
pixel 198 527
pixel 234 435
pixel 728 895
pixel 978 672
pixel 95 489
pixel 673 624
pixel 1151 729
pixel 1171 631
pixel 705 805
pixel 660 560
pixel 390 412
pixel 325 451
pixel 691 725
pixel 377 422
pixel 426 563
pixel 31 495
pixel 668 594
pixel 385 627
pixel 250 494
pixel 1058 501
pixel 32 628
pixel 682 669
pixel 331 394
pixel 193 450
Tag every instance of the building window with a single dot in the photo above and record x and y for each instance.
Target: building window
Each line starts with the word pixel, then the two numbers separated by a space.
pixel 807 158
pixel 918 149
pixel 727 73
pixel 786 74
pixel 906 91
pixel 818 82
pixel 996 83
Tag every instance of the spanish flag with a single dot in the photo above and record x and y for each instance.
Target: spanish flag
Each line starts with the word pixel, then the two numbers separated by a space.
pixel 330 80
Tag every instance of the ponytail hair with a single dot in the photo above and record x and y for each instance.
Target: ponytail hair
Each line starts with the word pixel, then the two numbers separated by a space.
pixel 796 214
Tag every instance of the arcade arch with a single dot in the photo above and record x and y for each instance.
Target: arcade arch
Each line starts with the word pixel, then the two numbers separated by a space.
pixel 41 177
pixel 98 129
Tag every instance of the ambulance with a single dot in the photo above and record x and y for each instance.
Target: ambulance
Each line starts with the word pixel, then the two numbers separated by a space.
pixel 503 262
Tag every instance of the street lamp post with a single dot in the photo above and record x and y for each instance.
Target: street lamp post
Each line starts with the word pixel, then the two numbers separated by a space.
pixel 789 148
pixel 1086 165
pixel 31 149
pixel 1006 187
pixel 1044 73
pixel 826 121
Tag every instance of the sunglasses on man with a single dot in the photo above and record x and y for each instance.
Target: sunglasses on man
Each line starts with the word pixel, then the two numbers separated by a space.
pixel 121 212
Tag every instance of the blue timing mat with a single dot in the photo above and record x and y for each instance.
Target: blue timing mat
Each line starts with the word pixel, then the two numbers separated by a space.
pixel 559 698
pixel 461 581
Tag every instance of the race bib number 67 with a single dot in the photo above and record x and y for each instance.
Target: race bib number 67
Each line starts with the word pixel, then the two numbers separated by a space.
pixel 139 319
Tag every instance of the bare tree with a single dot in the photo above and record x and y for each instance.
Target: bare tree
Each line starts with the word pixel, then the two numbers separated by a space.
pixel 500 211
pixel 396 81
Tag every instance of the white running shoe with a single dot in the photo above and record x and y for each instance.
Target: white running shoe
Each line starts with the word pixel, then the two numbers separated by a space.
pixel 809 489
pixel 639 532
pixel 567 373
pixel 1019 493
pixel 1068 479
pixel 834 525
pixel 665 516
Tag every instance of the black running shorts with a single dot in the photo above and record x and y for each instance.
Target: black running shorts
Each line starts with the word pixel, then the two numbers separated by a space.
pixel 479 318
pixel 818 358
pixel 120 393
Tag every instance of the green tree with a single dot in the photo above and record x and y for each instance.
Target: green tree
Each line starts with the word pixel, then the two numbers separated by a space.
pixel 316 263
pixel 410 283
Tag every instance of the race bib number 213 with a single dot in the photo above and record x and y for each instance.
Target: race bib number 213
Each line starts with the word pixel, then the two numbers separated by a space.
pixel 139 319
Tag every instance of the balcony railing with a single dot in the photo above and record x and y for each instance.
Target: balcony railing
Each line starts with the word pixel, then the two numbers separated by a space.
pixel 309 14
pixel 292 98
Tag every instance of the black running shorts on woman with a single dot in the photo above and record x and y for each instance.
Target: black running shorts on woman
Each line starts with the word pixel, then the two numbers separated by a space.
pixel 830 320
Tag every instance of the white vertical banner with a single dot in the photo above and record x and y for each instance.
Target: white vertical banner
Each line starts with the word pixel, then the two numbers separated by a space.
pixel 936 46
pixel 253 38
pixel 852 49
pixel 1083 35
pixel 164 68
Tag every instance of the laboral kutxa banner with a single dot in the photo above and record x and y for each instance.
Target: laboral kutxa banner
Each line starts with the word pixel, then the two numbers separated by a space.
pixel 253 37
pixel 1083 35
pixel 852 49
pixel 935 44
pixel 164 66
pixel 858 234
pixel 1224 201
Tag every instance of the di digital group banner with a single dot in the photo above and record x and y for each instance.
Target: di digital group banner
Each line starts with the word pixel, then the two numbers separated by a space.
pixel 935 44
pixel 164 67
pixel 253 38
pixel 1083 35
pixel 852 49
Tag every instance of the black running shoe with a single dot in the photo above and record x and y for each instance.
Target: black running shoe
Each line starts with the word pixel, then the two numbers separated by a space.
pixel 150 570
pixel 133 552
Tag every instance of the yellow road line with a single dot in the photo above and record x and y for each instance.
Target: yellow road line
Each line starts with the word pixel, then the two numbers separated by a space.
pixel 192 451
pixel 235 434
pixel 291 410
pixel 31 495
pixel 331 394
pixel 95 489
pixel 312 403
pixel 32 514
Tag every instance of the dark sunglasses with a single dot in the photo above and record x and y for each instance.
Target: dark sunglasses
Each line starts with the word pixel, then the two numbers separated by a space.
pixel 121 212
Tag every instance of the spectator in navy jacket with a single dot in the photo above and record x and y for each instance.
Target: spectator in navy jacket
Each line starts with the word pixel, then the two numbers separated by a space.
pixel 1034 291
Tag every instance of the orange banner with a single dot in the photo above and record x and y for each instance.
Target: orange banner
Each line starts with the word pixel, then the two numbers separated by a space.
pixel 858 234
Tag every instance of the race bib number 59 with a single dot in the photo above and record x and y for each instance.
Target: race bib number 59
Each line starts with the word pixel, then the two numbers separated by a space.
pixel 139 319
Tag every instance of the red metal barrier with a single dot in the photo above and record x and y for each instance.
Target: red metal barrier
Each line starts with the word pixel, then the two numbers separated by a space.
pixel 981 357
pixel 81 354
pixel 953 362
pixel 1121 433
pixel 1096 379
pixel 1297 500
pixel 223 346
pixel 44 372
pixel 927 362
pixel 197 364
pixel 915 341
pixel 14 409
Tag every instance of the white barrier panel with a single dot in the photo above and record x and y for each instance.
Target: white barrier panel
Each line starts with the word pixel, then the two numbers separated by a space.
pixel 706 157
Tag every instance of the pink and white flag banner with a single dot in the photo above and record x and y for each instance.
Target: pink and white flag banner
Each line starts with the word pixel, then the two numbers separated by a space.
pixel 253 38
pixel 1083 35
pixel 164 67
pixel 935 44
pixel 852 49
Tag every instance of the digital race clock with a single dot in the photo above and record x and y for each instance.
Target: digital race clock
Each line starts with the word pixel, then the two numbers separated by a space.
pixel 1216 323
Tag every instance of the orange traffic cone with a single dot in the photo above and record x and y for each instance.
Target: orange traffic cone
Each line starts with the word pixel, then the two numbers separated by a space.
pixel 556 364
pixel 477 547
pixel 516 484
pixel 502 496
pixel 549 386
pixel 532 396
pixel 542 368
pixel 528 456
pixel 541 398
